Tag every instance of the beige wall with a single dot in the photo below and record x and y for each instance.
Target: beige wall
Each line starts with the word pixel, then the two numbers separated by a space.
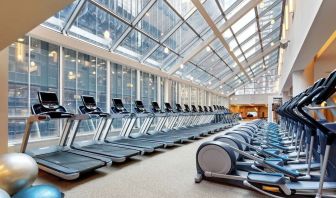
pixel 3 101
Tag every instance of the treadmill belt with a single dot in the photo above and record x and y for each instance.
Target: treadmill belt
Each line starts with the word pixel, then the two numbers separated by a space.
pixel 138 143
pixel 71 161
pixel 112 150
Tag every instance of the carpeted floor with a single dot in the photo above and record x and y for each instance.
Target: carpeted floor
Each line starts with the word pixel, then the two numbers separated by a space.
pixel 167 173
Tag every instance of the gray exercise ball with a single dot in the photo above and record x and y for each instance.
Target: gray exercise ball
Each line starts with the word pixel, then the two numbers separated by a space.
pixel 4 194
pixel 17 171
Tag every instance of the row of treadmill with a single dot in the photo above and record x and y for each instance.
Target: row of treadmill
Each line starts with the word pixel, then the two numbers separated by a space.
pixel 142 132
pixel 294 158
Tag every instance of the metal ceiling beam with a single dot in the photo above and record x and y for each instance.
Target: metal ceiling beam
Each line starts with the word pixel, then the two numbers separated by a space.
pixel 249 6
pixel 73 16
pixel 219 35
pixel 250 62
pixel 133 24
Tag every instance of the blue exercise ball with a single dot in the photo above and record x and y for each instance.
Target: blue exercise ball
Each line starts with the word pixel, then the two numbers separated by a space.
pixel 39 191
pixel 4 194
pixel 17 171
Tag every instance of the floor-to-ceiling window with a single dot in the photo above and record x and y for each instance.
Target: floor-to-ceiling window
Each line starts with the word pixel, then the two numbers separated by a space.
pixel 148 89
pixel 33 67
pixel 185 94
pixel 193 96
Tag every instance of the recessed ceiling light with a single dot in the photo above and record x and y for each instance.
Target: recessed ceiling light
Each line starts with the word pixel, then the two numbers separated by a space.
pixel 166 50
pixel 147 14
pixel 182 66
pixel 107 34
pixel 272 21
pixel 272 43
pixel 20 39
pixel 221 86
pixel 208 49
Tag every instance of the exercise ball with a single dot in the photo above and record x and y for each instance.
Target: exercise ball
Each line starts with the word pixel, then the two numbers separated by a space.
pixel 4 194
pixel 17 171
pixel 39 191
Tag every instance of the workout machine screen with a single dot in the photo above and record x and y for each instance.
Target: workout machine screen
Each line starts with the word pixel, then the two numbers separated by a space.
pixel 89 101
pixel 168 106
pixel 194 108
pixel 48 98
pixel 186 107
pixel 178 107
pixel 155 106
pixel 118 103
pixel 139 104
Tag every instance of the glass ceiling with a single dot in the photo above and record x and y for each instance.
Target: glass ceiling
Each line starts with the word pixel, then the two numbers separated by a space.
pixel 160 33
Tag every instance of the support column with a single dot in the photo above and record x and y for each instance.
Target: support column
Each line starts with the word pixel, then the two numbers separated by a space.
pixel 138 87
pixel 158 95
pixel 108 86
pixel 167 93
pixel 4 101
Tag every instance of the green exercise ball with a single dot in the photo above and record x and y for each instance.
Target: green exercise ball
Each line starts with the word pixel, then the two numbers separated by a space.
pixel 4 194
pixel 17 171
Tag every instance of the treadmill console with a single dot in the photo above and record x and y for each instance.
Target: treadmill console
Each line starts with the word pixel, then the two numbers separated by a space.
pixel 186 108
pixel 48 100
pixel 49 105
pixel 178 108
pixel 210 109
pixel 155 107
pixel 215 108
pixel 118 106
pixel 168 107
pixel 200 108
pixel 139 107
pixel 193 108
pixel 89 102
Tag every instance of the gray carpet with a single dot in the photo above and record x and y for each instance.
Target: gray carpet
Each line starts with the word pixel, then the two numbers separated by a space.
pixel 168 173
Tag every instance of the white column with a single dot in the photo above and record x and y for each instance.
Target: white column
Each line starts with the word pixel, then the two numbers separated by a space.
pixel 108 86
pixel 4 101
pixel 167 93
pixel 158 95
pixel 138 87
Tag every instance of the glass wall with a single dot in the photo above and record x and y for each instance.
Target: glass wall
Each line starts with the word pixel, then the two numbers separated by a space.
pixel 185 94
pixel 148 89
pixel 36 65
pixel 33 67
pixel 193 96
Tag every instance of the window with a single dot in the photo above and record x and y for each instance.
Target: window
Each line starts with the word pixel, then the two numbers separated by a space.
pixel 148 89
pixel 185 94
pixel 33 66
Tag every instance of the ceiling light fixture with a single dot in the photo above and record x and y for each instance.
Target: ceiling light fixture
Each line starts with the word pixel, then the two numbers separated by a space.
pixel 107 34
pixel 166 50
pixel 182 66
pixel 208 49
pixel 20 39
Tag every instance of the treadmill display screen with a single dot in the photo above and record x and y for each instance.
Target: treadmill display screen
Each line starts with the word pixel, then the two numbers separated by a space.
pixel 205 108
pixel 139 105
pixel 89 102
pixel 200 108
pixel 186 108
pixel 210 109
pixel 178 107
pixel 193 107
pixel 48 99
pixel 156 106
pixel 118 104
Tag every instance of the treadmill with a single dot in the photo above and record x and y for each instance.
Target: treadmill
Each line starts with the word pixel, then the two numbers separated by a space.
pixel 124 138
pixel 58 160
pixel 156 135
pixel 114 152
